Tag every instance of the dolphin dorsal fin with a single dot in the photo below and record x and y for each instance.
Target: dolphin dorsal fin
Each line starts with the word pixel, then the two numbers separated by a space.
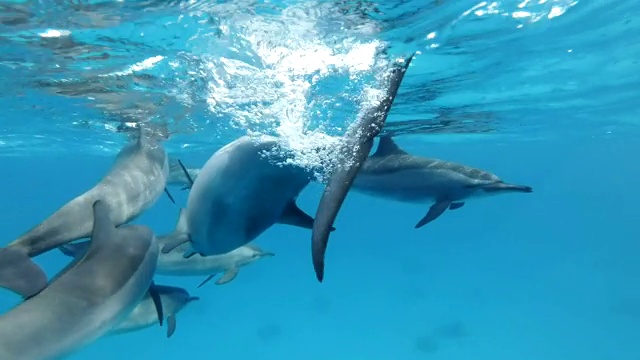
pixel 103 226
pixel 181 224
pixel 387 147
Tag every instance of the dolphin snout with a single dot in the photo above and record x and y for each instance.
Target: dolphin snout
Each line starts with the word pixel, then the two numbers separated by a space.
pixel 500 186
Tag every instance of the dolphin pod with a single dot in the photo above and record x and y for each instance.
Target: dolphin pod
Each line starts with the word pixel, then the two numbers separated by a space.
pixel 241 191
pixel 173 263
pixel 134 183
pixel 86 299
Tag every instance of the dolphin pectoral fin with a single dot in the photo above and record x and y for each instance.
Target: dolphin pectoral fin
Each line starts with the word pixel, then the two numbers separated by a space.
pixel 189 253
pixel 171 325
pixel 293 215
pixel 228 276
pixel 75 250
pixel 434 212
pixel 187 175
pixel 206 280
pixel 166 191
pixel 456 205
pixel 174 243
pixel 157 301
pixel 18 273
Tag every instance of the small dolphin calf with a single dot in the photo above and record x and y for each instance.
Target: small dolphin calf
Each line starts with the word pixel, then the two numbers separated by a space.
pixel 173 263
pixel 239 194
pixel 134 183
pixel 393 173
pixel 86 299
pixel 355 149
pixel 144 315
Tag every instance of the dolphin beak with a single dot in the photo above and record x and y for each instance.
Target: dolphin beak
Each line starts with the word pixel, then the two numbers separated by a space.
pixel 192 298
pixel 267 254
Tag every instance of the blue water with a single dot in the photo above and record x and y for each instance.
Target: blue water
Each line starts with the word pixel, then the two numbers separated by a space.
pixel 542 93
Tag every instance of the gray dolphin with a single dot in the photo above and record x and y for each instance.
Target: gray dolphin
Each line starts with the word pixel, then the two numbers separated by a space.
pixel 394 174
pixel 87 298
pixel 133 184
pixel 173 263
pixel 355 149
pixel 178 177
pixel 144 315
pixel 239 194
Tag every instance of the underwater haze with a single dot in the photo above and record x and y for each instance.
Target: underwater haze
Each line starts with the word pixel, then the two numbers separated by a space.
pixel 542 93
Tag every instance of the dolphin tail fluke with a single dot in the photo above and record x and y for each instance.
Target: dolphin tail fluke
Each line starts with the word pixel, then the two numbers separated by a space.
pixel 20 274
pixel 434 212
pixel 504 187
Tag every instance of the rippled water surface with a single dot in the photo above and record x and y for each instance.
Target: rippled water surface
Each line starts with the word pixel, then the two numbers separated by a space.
pixel 213 70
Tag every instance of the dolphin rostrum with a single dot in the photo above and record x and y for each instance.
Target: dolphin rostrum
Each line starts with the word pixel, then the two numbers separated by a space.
pixel 355 149
pixel 87 298
pixel 173 263
pixel 395 174
pixel 240 193
pixel 144 315
pixel 133 184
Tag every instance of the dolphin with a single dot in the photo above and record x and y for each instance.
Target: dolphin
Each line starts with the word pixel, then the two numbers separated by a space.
pixel 87 298
pixel 395 174
pixel 178 177
pixel 173 263
pixel 239 194
pixel 134 183
pixel 144 315
pixel 355 149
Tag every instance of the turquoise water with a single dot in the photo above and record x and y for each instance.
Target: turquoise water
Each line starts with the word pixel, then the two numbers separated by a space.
pixel 538 92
